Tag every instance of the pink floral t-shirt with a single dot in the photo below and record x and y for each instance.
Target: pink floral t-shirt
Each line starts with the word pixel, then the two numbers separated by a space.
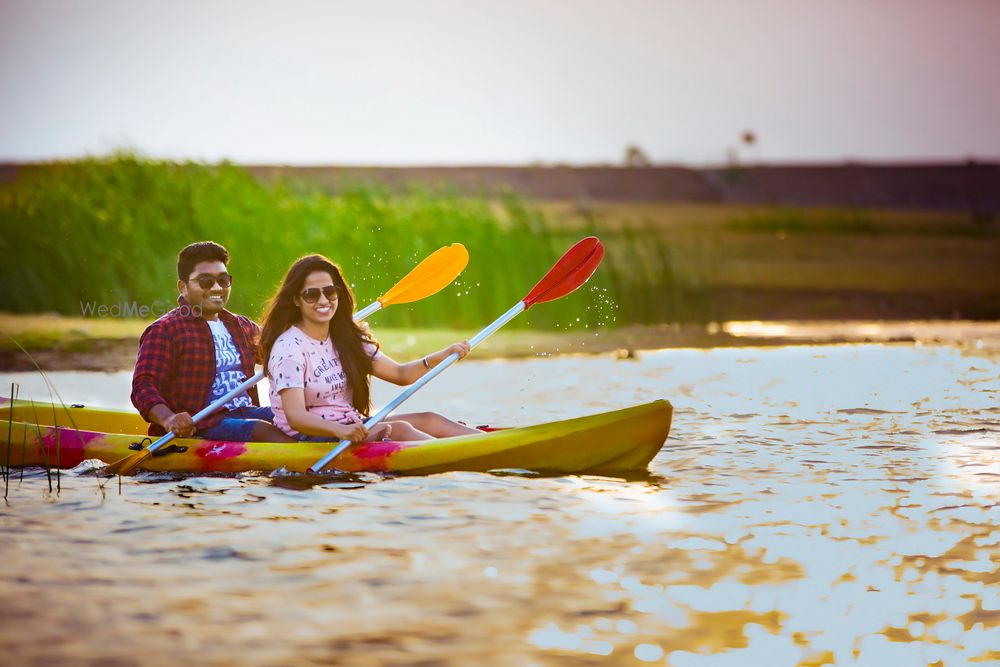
pixel 298 360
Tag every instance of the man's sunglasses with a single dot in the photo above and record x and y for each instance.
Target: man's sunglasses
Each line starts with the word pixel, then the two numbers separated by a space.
pixel 205 281
pixel 311 295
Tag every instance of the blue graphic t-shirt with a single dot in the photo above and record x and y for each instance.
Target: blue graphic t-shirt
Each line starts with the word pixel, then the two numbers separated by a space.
pixel 228 367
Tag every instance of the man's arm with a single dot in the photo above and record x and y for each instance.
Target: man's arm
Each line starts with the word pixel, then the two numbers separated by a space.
pixel 152 369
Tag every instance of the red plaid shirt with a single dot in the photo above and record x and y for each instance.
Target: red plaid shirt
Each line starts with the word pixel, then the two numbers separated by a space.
pixel 176 363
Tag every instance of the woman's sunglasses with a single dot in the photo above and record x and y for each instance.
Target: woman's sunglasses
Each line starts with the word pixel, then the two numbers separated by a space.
pixel 206 281
pixel 311 295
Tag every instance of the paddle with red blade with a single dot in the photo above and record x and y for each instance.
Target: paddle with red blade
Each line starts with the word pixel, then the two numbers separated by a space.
pixel 571 271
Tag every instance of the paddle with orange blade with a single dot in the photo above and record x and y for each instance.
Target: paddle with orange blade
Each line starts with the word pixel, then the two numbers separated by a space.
pixel 571 271
pixel 437 271
pixel 429 277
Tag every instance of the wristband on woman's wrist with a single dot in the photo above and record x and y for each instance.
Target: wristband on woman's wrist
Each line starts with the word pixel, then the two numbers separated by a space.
pixel 426 365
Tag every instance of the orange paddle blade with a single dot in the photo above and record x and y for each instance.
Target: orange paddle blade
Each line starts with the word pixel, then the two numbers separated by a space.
pixel 126 465
pixel 432 275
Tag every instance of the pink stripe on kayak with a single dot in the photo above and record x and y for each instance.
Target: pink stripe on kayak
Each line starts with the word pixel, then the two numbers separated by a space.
pixel 377 450
pixel 71 445
pixel 218 450
pixel 375 456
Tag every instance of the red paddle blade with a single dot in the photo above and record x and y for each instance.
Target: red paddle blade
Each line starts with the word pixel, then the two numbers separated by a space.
pixel 572 270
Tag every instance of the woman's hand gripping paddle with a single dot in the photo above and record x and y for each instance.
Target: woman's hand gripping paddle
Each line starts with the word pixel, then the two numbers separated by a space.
pixel 432 275
pixel 571 271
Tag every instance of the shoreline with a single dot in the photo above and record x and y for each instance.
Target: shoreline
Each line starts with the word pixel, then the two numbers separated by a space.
pixel 61 343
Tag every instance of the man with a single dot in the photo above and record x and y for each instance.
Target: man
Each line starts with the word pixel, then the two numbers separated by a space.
pixel 197 353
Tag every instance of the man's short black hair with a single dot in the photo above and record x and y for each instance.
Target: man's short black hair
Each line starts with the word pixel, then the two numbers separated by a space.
pixel 202 251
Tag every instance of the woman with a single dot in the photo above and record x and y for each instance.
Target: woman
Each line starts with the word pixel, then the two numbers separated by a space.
pixel 319 362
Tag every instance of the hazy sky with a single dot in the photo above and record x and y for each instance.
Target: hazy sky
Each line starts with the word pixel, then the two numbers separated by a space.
pixel 500 82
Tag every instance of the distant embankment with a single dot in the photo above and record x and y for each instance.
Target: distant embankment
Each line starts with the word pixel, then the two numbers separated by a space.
pixel 967 187
pixel 683 245
pixel 973 188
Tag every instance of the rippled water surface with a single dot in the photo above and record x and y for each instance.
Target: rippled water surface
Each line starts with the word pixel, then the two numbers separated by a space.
pixel 813 505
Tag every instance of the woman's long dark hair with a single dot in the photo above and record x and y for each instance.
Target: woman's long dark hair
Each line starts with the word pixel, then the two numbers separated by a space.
pixel 348 337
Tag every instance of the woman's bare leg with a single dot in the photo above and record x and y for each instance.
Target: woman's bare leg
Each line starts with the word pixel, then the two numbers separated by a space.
pixel 401 430
pixel 436 425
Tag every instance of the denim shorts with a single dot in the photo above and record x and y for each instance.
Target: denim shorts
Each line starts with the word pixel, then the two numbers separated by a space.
pixel 238 424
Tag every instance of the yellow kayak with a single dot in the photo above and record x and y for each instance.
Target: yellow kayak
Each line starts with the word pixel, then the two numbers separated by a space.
pixel 617 441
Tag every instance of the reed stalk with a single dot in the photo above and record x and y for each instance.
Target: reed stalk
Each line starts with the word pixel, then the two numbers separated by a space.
pixel 10 429
pixel 40 443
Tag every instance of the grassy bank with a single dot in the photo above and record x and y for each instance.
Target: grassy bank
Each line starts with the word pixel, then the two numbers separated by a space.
pixel 68 336
pixel 58 342
pixel 107 232
pixel 66 343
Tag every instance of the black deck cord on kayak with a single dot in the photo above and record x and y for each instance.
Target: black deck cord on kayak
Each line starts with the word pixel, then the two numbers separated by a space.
pixel 162 451
pixel 170 449
pixel 136 446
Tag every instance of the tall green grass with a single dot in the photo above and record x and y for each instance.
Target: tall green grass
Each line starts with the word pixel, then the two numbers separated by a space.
pixel 108 230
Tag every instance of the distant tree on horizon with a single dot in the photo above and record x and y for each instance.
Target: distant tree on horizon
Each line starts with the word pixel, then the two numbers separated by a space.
pixel 636 157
